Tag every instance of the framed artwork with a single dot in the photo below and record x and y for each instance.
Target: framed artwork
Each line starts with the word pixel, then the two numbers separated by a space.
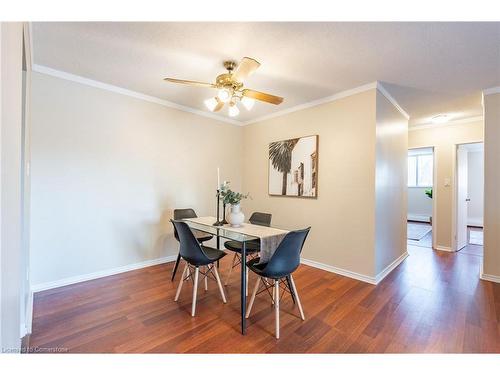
pixel 293 167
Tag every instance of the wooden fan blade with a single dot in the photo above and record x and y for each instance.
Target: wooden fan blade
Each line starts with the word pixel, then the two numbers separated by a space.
pixel 219 106
pixel 262 96
pixel 190 83
pixel 246 67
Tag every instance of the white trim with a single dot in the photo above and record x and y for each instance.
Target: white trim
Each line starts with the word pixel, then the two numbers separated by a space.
pixel 32 53
pixel 483 276
pixel 339 271
pixel 354 275
pixel 22 330
pixel 314 103
pixel 29 314
pixel 419 218
pixel 96 275
pixel 387 270
pixel 340 95
pixel 388 96
pixel 495 279
pixel 430 125
pixel 492 90
pixel 134 94
pixel 444 248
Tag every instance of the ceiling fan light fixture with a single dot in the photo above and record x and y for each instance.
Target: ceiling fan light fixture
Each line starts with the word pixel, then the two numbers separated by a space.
pixel 231 88
pixel 212 103
pixel 224 95
pixel 247 102
pixel 233 110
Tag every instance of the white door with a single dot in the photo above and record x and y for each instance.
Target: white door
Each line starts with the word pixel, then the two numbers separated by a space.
pixel 462 197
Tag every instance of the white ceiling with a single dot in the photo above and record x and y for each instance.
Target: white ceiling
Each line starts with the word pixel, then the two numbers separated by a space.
pixel 429 68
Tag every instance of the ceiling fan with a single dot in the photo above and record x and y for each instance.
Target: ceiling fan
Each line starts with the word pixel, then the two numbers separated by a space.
pixel 231 88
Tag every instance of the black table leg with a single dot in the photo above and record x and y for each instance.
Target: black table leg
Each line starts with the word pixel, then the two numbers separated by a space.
pixel 243 287
pixel 176 265
pixel 290 288
pixel 218 246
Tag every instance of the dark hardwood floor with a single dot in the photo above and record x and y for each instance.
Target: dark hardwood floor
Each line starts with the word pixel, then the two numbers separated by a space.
pixel 433 302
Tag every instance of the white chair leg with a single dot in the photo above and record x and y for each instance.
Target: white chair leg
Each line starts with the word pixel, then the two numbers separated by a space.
pixel 180 283
pixel 297 298
pixel 230 270
pixel 252 299
pixel 277 306
pixel 206 278
pixel 195 291
pixel 219 284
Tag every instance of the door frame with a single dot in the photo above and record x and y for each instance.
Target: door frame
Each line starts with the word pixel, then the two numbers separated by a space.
pixel 434 191
pixel 454 206
pixel 26 295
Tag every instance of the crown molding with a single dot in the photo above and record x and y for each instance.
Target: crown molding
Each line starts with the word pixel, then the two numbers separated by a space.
pixel 314 103
pixel 343 94
pixel 134 94
pixel 492 90
pixel 152 99
pixel 431 125
pixel 388 96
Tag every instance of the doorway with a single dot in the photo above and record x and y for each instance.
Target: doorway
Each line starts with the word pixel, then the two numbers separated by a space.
pixel 469 198
pixel 420 197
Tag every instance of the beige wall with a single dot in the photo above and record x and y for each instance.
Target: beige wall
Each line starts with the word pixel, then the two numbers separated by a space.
pixel 444 140
pixel 358 219
pixel 492 186
pixel 342 217
pixel 107 171
pixel 390 184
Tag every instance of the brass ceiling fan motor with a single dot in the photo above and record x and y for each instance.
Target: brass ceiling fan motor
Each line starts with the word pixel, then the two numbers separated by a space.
pixel 225 80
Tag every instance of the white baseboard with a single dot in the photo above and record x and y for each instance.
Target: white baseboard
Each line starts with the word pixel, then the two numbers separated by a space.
pixel 387 270
pixel 354 275
pixel 484 276
pixel 29 314
pixel 444 248
pixel 339 271
pixel 96 275
pixel 23 331
pixel 421 218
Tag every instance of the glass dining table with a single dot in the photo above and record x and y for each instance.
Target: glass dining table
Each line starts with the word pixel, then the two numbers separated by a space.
pixel 225 232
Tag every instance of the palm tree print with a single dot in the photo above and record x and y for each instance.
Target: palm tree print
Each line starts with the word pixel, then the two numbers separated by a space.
pixel 280 154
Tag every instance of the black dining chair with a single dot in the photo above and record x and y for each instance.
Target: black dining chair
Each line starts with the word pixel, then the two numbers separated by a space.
pixel 279 269
pixel 186 213
pixel 252 247
pixel 196 255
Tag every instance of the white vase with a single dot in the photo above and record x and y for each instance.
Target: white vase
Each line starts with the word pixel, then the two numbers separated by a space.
pixel 235 217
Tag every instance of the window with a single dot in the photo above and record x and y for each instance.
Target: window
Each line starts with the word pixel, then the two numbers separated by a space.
pixel 420 170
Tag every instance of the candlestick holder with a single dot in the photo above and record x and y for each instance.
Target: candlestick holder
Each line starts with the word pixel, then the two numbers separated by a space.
pixel 224 213
pixel 218 223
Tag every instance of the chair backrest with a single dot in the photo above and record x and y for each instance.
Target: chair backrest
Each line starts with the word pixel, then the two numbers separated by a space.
pixel 182 213
pixel 286 258
pixel 261 218
pixel 190 248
